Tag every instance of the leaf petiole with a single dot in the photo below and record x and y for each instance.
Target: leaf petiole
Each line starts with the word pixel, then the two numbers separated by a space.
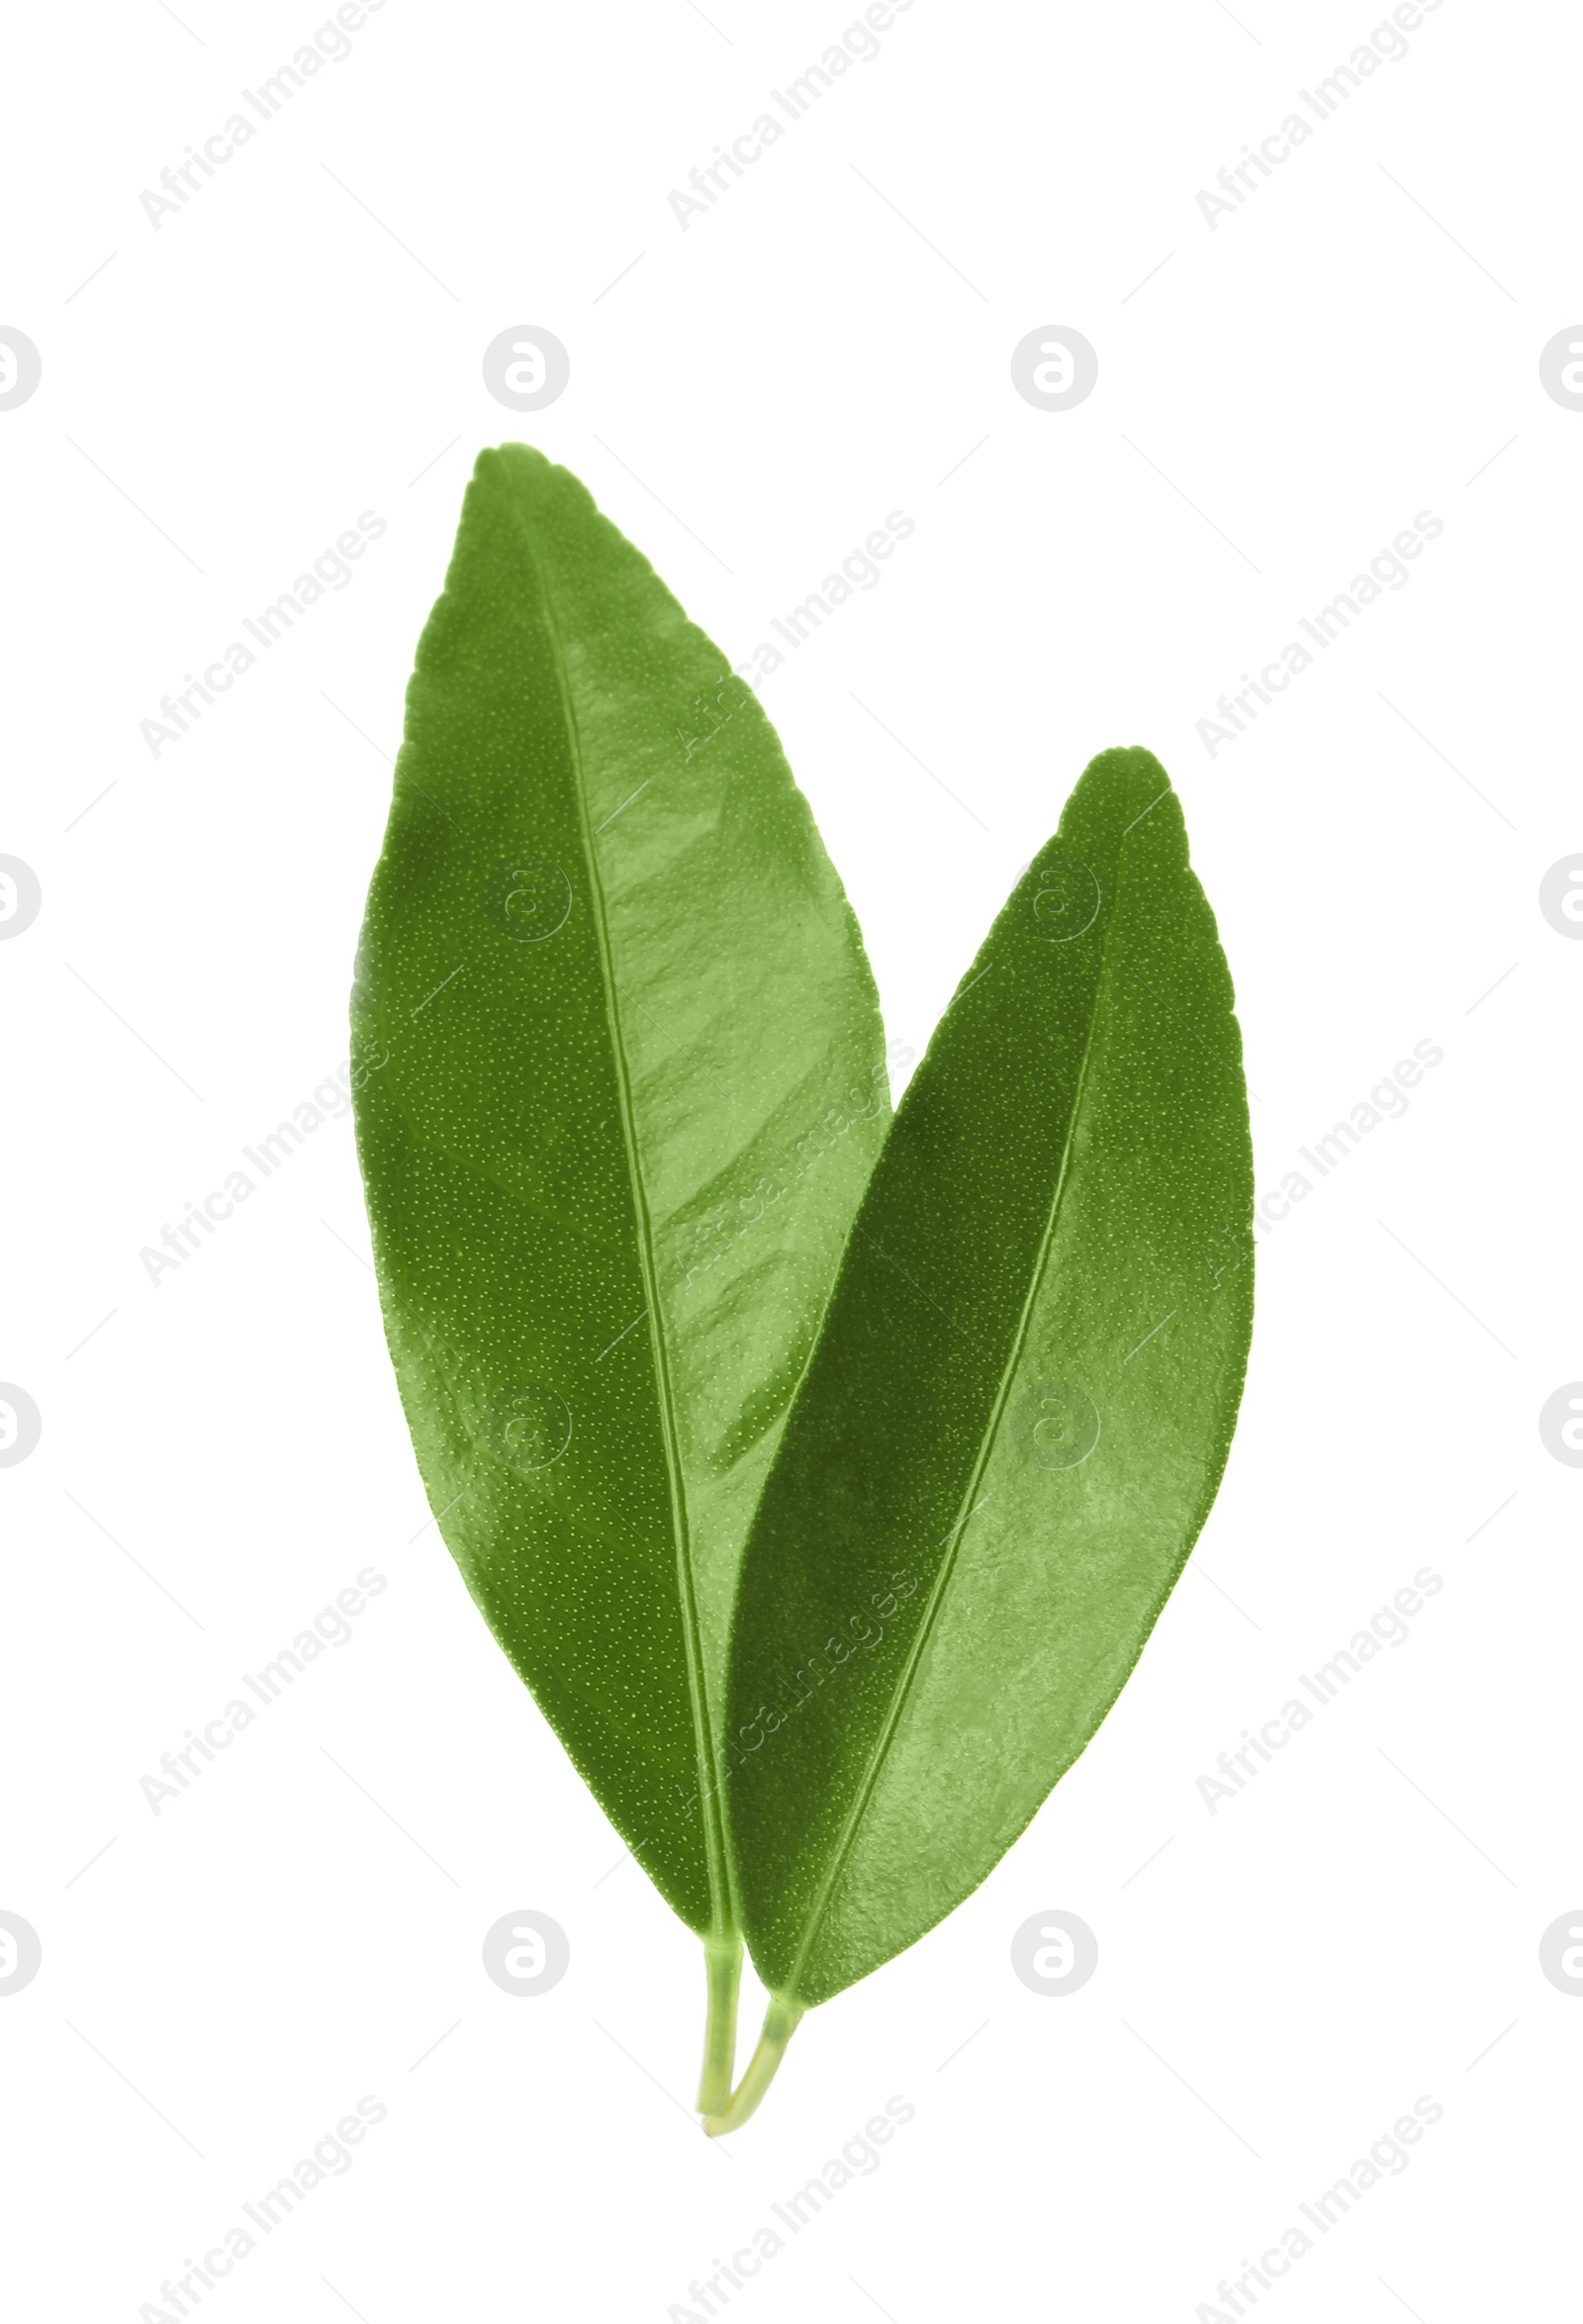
pixel 781 2021
pixel 722 1961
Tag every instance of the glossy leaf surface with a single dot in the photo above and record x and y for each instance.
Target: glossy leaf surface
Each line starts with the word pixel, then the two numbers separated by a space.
pixel 1018 1411
pixel 620 1081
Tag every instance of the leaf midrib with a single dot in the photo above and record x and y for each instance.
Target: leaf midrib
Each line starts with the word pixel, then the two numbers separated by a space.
pixel 967 1503
pixel 717 1855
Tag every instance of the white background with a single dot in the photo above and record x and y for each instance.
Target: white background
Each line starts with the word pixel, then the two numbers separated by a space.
pixel 225 1451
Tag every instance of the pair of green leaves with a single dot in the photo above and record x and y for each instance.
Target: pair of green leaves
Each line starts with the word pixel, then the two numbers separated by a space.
pixel 822 1475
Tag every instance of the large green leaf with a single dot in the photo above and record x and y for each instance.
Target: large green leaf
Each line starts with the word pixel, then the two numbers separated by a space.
pixel 1017 1413
pixel 620 1081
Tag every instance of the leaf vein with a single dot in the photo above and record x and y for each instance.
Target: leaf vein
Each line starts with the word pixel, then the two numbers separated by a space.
pixel 718 1859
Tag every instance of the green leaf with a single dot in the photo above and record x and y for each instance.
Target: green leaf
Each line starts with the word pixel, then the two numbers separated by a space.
pixel 619 1082
pixel 1018 1411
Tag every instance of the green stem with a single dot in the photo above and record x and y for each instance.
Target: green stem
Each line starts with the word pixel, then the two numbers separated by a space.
pixel 781 2021
pixel 723 1960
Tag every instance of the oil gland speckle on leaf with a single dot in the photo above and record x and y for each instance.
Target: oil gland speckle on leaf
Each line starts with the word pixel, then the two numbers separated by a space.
pixel 618 997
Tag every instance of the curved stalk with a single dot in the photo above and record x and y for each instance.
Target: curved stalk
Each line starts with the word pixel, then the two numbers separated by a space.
pixel 722 1961
pixel 781 2021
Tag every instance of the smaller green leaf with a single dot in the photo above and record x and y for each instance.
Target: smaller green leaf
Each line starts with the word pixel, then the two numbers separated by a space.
pixel 1017 1413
